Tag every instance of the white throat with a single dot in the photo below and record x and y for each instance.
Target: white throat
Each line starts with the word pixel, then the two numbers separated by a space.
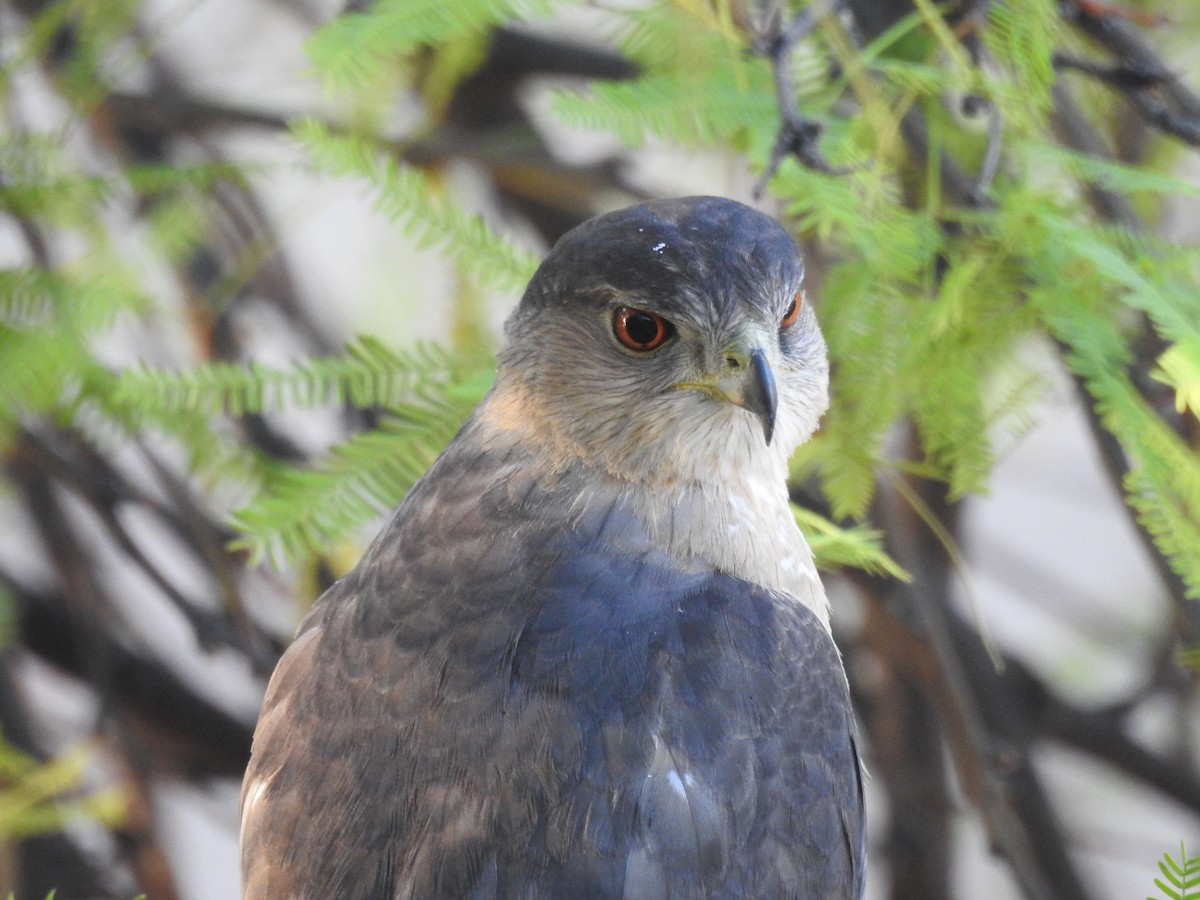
pixel 742 526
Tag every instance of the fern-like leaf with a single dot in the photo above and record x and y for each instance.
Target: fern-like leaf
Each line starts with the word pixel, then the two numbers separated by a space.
pixel 351 50
pixel 674 105
pixel 698 87
pixel 405 195
pixel 305 511
pixel 370 374
pixel 1180 878
pixel 1179 367
pixel 858 547
pixel 1112 175
pixel 36 797
pixel 1023 35
pixel 1163 485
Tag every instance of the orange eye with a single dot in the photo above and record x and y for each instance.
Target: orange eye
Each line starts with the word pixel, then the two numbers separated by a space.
pixel 793 311
pixel 639 329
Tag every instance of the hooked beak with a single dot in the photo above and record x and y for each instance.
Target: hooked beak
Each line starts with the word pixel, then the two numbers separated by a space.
pixel 746 381
pixel 759 394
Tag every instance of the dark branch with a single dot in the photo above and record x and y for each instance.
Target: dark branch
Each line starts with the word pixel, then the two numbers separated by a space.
pixel 798 136
pixel 1136 71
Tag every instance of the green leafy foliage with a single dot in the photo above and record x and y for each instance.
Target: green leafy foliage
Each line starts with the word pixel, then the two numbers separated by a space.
pixel 303 511
pixel 857 547
pixel 1023 35
pixel 369 374
pixel 39 797
pixel 1179 367
pixel 349 52
pixel 1105 173
pixel 699 87
pixel 431 218
pixel 1180 878
pixel 1163 482
pixel 51 317
pixel 424 393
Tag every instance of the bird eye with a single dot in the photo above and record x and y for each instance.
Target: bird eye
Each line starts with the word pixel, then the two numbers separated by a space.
pixel 793 311
pixel 639 329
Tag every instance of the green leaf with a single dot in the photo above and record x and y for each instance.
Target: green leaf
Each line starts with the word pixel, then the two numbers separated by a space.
pixel 677 106
pixel 406 195
pixel 1179 367
pixel 370 374
pixel 349 51
pixel 305 511
pixel 859 547
pixel 1114 176
pixel 1163 485
pixel 1181 879
pixel 1024 35
pixel 38 797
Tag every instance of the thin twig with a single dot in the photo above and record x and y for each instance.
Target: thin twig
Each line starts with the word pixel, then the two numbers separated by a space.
pixel 798 136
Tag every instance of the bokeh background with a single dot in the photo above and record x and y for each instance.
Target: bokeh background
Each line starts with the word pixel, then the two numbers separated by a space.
pixel 1028 709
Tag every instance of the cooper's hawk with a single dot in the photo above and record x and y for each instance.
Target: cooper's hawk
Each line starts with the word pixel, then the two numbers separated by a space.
pixel 590 655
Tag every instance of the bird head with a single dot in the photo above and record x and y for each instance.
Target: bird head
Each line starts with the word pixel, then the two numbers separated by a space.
pixel 655 338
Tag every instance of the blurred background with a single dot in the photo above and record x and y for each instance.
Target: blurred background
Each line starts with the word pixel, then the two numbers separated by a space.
pixel 217 285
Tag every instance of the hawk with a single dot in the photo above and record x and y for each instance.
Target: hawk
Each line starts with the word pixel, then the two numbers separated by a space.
pixel 589 656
